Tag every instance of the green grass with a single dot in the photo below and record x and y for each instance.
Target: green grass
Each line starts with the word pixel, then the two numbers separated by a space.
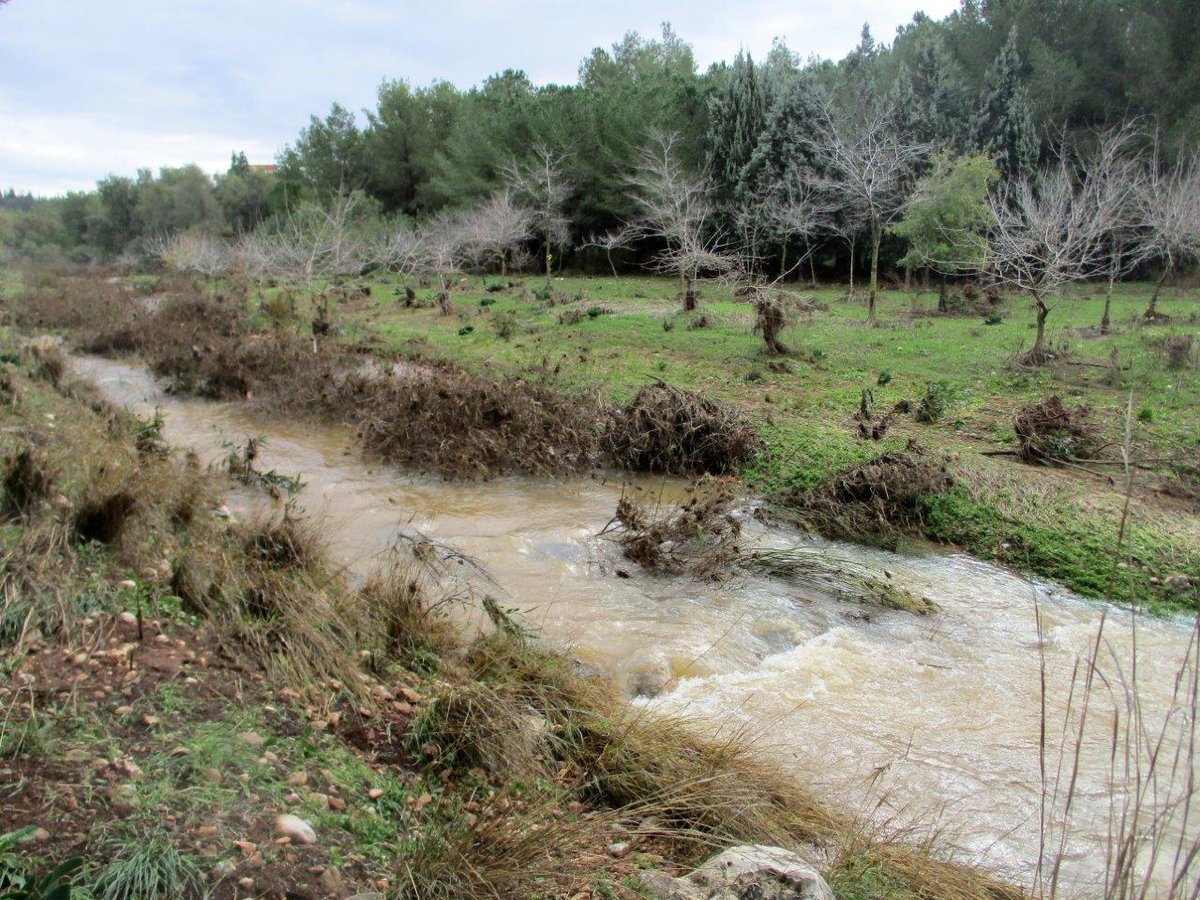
pixel 1062 525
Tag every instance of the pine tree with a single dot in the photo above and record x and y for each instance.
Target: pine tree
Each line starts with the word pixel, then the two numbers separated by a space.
pixel 737 117
pixel 782 162
pixel 903 108
pixel 784 148
pixel 1004 125
pixel 939 90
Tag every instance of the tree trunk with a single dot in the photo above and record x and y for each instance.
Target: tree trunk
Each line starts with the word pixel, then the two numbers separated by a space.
pixel 1036 356
pixel 783 260
pixel 812 267
pixel 1152 310
pixel 876 237
pixel 853 241
pixel 1105 321
pixel 689 293
pixel 943 295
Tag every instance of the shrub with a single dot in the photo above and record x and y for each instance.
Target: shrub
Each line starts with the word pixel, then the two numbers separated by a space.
pixel 933 405
pixel 505 325
pixel 1179 351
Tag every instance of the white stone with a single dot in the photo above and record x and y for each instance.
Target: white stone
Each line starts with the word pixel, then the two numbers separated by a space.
pixel 295 828
pixel 745 873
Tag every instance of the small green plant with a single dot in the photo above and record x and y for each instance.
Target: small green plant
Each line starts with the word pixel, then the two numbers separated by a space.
pixel 543 293
pixel 465 330
pixel 993 319
pixel 148 438
pixel 933 405
pixel 1145 414
pixel 595 312
pixel 17 880
pixel 885 377
pixel 505 325
pixel 154 868
pixel 239 463
pixel 494 287
pixel 487 301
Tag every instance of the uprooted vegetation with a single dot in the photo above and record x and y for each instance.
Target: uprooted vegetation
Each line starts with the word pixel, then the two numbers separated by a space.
pixel 699 536
pixel 679 432
pixel 879 500
pixel 445 420
pixel 1050 433
pixel 178 686
pixel 702 537
pixel 432 416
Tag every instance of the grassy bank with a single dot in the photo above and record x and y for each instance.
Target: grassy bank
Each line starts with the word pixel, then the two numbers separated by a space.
pixel 613 334
pixel 174 681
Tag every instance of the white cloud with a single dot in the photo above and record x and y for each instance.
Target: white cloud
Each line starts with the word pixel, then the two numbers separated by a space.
pixel 90 88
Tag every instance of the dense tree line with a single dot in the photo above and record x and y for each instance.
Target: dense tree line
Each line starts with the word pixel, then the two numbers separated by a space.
pixel 1010 80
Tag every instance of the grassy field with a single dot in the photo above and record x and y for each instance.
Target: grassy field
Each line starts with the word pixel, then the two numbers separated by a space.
pixel 615 334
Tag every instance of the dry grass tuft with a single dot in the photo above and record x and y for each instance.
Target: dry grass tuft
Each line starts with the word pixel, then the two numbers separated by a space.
pixel 27 481
pixel 103 519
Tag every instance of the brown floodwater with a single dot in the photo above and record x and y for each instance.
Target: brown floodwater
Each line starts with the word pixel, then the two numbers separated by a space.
pixel 930 724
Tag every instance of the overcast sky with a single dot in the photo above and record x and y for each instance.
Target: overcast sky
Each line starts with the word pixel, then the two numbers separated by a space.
pixel 90 88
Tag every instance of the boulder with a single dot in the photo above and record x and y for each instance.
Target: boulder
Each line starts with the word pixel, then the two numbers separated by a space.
pixel 744 873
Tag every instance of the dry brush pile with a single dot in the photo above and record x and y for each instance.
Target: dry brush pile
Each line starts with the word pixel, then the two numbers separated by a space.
pixel 701 537
pixel 435 416
pixel 678 432
pixel 879 498
pixel 1050 433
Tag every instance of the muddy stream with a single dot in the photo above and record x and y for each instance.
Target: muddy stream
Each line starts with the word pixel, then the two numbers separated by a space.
pixel 929 722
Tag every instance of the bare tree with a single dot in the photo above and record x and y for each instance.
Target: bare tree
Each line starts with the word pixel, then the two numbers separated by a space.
pixel 867 170
pixel 496 229
pixel 542 182
pixel 675 209
pixel 397 250
pixel 194 250
pixel 1050 230
pixel 444 240
pixel 1117 181
pixel 618 239
pixel 796 210
pixel 311 242
pixel 1169 207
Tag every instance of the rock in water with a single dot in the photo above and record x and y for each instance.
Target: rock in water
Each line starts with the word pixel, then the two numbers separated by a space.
pixel 295 828
pixel 744 873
